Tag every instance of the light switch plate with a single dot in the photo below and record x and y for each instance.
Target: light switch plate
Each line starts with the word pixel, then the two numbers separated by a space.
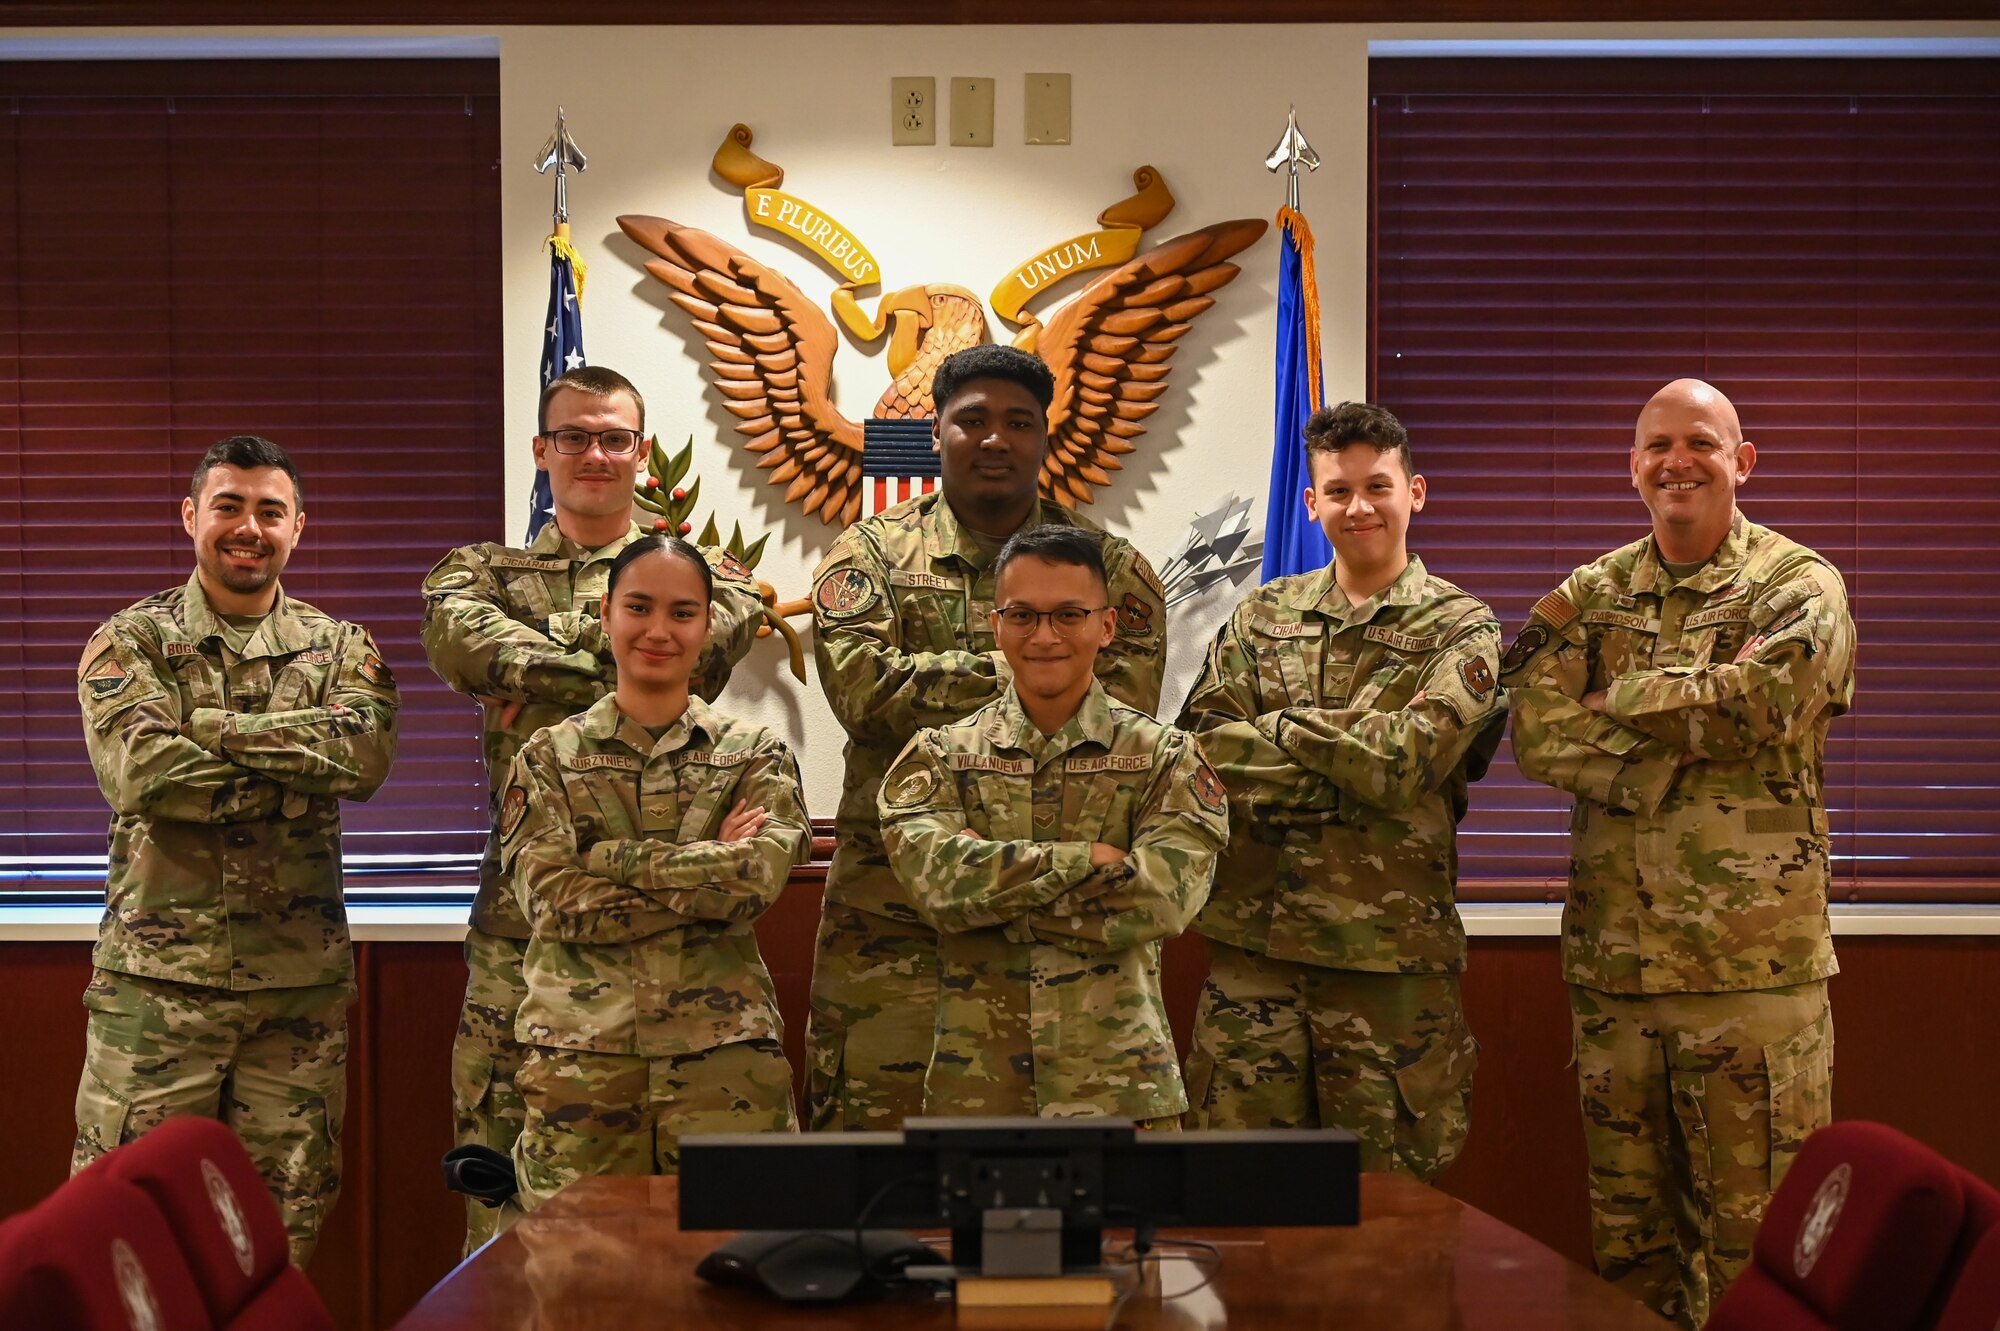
pixel 912 110
pixel 971 113
pixel 1045 109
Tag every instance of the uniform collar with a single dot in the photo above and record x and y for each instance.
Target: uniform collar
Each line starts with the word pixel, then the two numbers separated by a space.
pixel 603 721
pixel 1320 593
pixel 1007 726
pixel 946 537
pixel 1653 577
pixel 551 542
pixel 279 633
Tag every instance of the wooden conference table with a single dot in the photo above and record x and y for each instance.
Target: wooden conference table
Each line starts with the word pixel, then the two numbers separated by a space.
pixel 608 1255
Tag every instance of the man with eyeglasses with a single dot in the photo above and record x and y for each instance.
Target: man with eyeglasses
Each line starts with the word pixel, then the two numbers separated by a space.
pixel 1053 838
pixel 517 629
pixel 1365 694
pixel 904 637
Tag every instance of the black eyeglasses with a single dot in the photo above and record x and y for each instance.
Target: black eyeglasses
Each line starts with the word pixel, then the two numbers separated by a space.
pixel 1020 620
pixel 615 442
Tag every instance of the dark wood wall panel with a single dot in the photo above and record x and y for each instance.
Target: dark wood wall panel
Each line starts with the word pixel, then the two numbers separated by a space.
pixel 1914 1045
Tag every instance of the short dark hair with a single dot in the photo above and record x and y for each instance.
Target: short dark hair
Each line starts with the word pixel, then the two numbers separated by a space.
pixel 660 543
pixel 245 451
pixel 1055 544
pixel 992 362
pixel 591 381
pixel 1332 429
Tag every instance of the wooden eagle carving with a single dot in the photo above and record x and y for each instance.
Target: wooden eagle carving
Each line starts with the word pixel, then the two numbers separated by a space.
pixel 1110 348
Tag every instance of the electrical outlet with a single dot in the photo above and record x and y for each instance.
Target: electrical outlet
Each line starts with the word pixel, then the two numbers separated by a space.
pixel 1045 109
pixel 912 111
pixel 972 113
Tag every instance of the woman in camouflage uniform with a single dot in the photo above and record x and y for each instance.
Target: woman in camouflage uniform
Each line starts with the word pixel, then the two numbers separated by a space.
pixel 644 836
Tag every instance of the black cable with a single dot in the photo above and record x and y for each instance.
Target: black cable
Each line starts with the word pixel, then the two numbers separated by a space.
pixel 868 1209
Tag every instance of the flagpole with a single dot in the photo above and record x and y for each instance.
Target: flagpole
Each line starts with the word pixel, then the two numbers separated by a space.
pixel 1292 543
pixel 562 341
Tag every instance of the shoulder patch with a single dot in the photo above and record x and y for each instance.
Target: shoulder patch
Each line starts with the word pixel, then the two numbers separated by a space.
pixel 909 785
pixel 106 676
pixel 376 672
pixel 1135 616
pixel 729 566
pixel 450 582
pixel 513 807
pixel 1555 609
pixel 1207 788
pixel 1478 677
pixel 1533 638
pixel 846 593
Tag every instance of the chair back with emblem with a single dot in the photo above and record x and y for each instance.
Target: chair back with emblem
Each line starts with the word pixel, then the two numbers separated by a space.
pixel 1853 1240
pixel 97 1255
pixel 1967 1297
pixel 200 1177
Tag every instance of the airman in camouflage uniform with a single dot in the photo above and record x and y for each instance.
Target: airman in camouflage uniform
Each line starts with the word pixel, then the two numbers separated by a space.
pixel 641 857
pixel 1681 689
pixel 518 629
pixel 1053 848
pixel 903 640
pixel 224 737
pixel 1346 734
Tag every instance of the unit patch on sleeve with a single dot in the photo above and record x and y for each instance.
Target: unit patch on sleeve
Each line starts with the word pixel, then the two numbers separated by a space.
pixel 1135 617
pixel 846 593
pixel 1478 677
pixel 1207 787
pixel 513 806
pixel 1533 638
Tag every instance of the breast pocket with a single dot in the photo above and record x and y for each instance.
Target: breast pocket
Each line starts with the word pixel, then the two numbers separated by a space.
pixel 1620 649
pixel 705 796
pixel 528 593
pixel 603 804
pixel 1391 682
pixel 299 684
pixel 1289 665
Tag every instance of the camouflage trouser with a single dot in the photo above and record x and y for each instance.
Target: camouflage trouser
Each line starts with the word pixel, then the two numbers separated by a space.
pixel 873 1022
pixel 1283 1044
pixel 270 1063
pixel 592 1113
pixel 1694 1105
pixel 485 1106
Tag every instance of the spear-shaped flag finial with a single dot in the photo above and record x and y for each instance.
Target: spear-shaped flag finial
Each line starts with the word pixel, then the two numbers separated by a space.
pixel 1292 153
pixel 562 153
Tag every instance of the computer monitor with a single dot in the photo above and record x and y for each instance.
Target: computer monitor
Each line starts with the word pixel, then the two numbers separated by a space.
pixel 1012 1189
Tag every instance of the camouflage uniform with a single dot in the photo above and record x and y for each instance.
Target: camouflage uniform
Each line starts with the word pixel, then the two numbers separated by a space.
pixel 223 969
pixel 522 625
pixel 1049 969
pixel 903 640
pixel 649 1012
pixel 1695 937
pixel 1346 735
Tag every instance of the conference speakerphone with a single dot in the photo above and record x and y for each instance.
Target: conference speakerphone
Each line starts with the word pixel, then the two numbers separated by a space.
pixel 1024 1199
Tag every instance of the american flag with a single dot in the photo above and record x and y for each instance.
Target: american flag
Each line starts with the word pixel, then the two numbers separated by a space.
pixel 897 462
pixel 562 351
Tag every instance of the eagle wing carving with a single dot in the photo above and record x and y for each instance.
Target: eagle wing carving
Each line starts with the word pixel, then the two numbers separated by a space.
pixel 1111 347
pixel 773 355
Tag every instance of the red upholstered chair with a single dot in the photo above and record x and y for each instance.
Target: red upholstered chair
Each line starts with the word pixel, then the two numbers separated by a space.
pixel 198 1174
pixel 96 1256
pixel 1974 1302
pixel 1974 1264
pixel 1854 1240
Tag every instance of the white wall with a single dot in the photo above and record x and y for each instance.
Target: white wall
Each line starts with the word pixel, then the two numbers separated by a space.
pixel 654 104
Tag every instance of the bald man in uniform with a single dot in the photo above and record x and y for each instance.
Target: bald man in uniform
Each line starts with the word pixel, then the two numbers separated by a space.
pixel 1680 689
